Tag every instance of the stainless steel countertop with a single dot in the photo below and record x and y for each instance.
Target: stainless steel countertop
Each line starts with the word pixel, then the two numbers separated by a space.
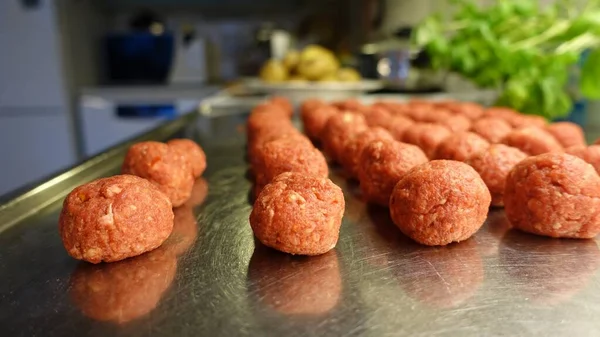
pixel 375 283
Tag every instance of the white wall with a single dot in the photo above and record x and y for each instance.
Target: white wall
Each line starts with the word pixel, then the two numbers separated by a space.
pixel 35 132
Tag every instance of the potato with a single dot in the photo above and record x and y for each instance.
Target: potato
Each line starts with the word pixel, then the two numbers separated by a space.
pixel 273 71
pixel 348 75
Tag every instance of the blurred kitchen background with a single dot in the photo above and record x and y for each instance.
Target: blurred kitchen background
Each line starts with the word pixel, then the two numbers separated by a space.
pixel 78 76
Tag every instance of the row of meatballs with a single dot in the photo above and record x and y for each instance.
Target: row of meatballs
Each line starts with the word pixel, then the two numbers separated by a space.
pixel 114 218
pixel 387 145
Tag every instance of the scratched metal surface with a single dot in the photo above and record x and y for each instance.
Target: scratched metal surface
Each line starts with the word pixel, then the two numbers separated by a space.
pixel 375 283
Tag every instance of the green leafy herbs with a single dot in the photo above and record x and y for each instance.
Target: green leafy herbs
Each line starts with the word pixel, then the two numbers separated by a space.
pixel 520 48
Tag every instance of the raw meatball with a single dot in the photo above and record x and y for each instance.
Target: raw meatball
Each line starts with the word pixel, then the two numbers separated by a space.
pixel 382 163
pixel 398 125
pixel 461 146
pixel 354 146
pixel 338 128
pixel 254 148
pixel 288 155
pixel 314 120
pixel 568 134
pixel 311 104
pixel 554 194
pixel 532 140
pixel 351 105
pixel 266 121
pixel 192 152
pixel 521 121
pixel 111 219
pixel 419 112
pixel 426 136
pixel 456 123
pixel 160 164
pixel 440 202
pixel 493 129
pixel 472 111
pixel 295 286
pixel 298 214
pixel 377 116
pixel 436 116
pixel 501 112
pixel 123 291
pixel 283 103
pixel 591 154
pixel 493 166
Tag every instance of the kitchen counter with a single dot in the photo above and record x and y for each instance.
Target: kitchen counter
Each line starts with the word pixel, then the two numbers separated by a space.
pixel 376 282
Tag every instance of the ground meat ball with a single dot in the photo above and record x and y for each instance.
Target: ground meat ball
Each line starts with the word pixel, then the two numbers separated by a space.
pixel 461 146
pixel 192 152
pixel 123 291
pixel 161 165
pixel 493 129
pixel 377 116
pixel 283 103
pixel 338 128
pixel 261 122
pixel 354 146
pixel 111 219
pixel 311 104
pixel 472 111
pixel 288 155
pixel 382 164
pixel 501 112
pixel 521 121
pixel 294 285
pixel 314 120
pixel 351 104
pixel 591 154
pixel 395 108
pixel 457 123
pixel 426 136
pixel 298 214
pixel 440 202
pixel 532 140
pixel 554 194
pixel 398 125
pixel 435 116
pixel 419 112
pixel 493 166
pixel 254 149
pixel 568 134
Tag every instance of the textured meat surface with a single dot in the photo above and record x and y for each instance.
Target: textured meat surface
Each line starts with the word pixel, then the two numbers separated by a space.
pixel 532 140
pixel 354 147
pixel 298 214
pixel 591 154
pixel 288 155
pixel 398 125
pixel 192 152
pixel 161 165
pixel 493 166
pixel 568 134
pixel 338 128
pixel 493 129
pixel 382 164
pixel 426 136
pixel 554 194
pixel 111 219
pixel 440 202
pixel 460 146
pixel 315 118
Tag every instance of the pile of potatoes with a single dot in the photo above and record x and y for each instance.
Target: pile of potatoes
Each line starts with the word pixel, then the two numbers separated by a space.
pixel 313 63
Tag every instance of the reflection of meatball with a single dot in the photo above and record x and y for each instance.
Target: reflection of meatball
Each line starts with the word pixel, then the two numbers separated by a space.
pixel 493 166
pixel 426 136
pixel 199 193
pixel 554 194
pixel 548 271
pixel 398 125
pixel 338 128
pixel 440 202
pixel 460 146
pixel 192 152
pixel 532 140
pixel 382 163
pixel 295 285
pixel 354 147
pixel 447 277
pixel 377 116
pixel 123 291
pixel 185 231
pixel 288 155
pixel 493 129
pixel 568 134
pixel 111 219
pixel 298 214
pixel 314 120
pixel 160 164
pixel 591 154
